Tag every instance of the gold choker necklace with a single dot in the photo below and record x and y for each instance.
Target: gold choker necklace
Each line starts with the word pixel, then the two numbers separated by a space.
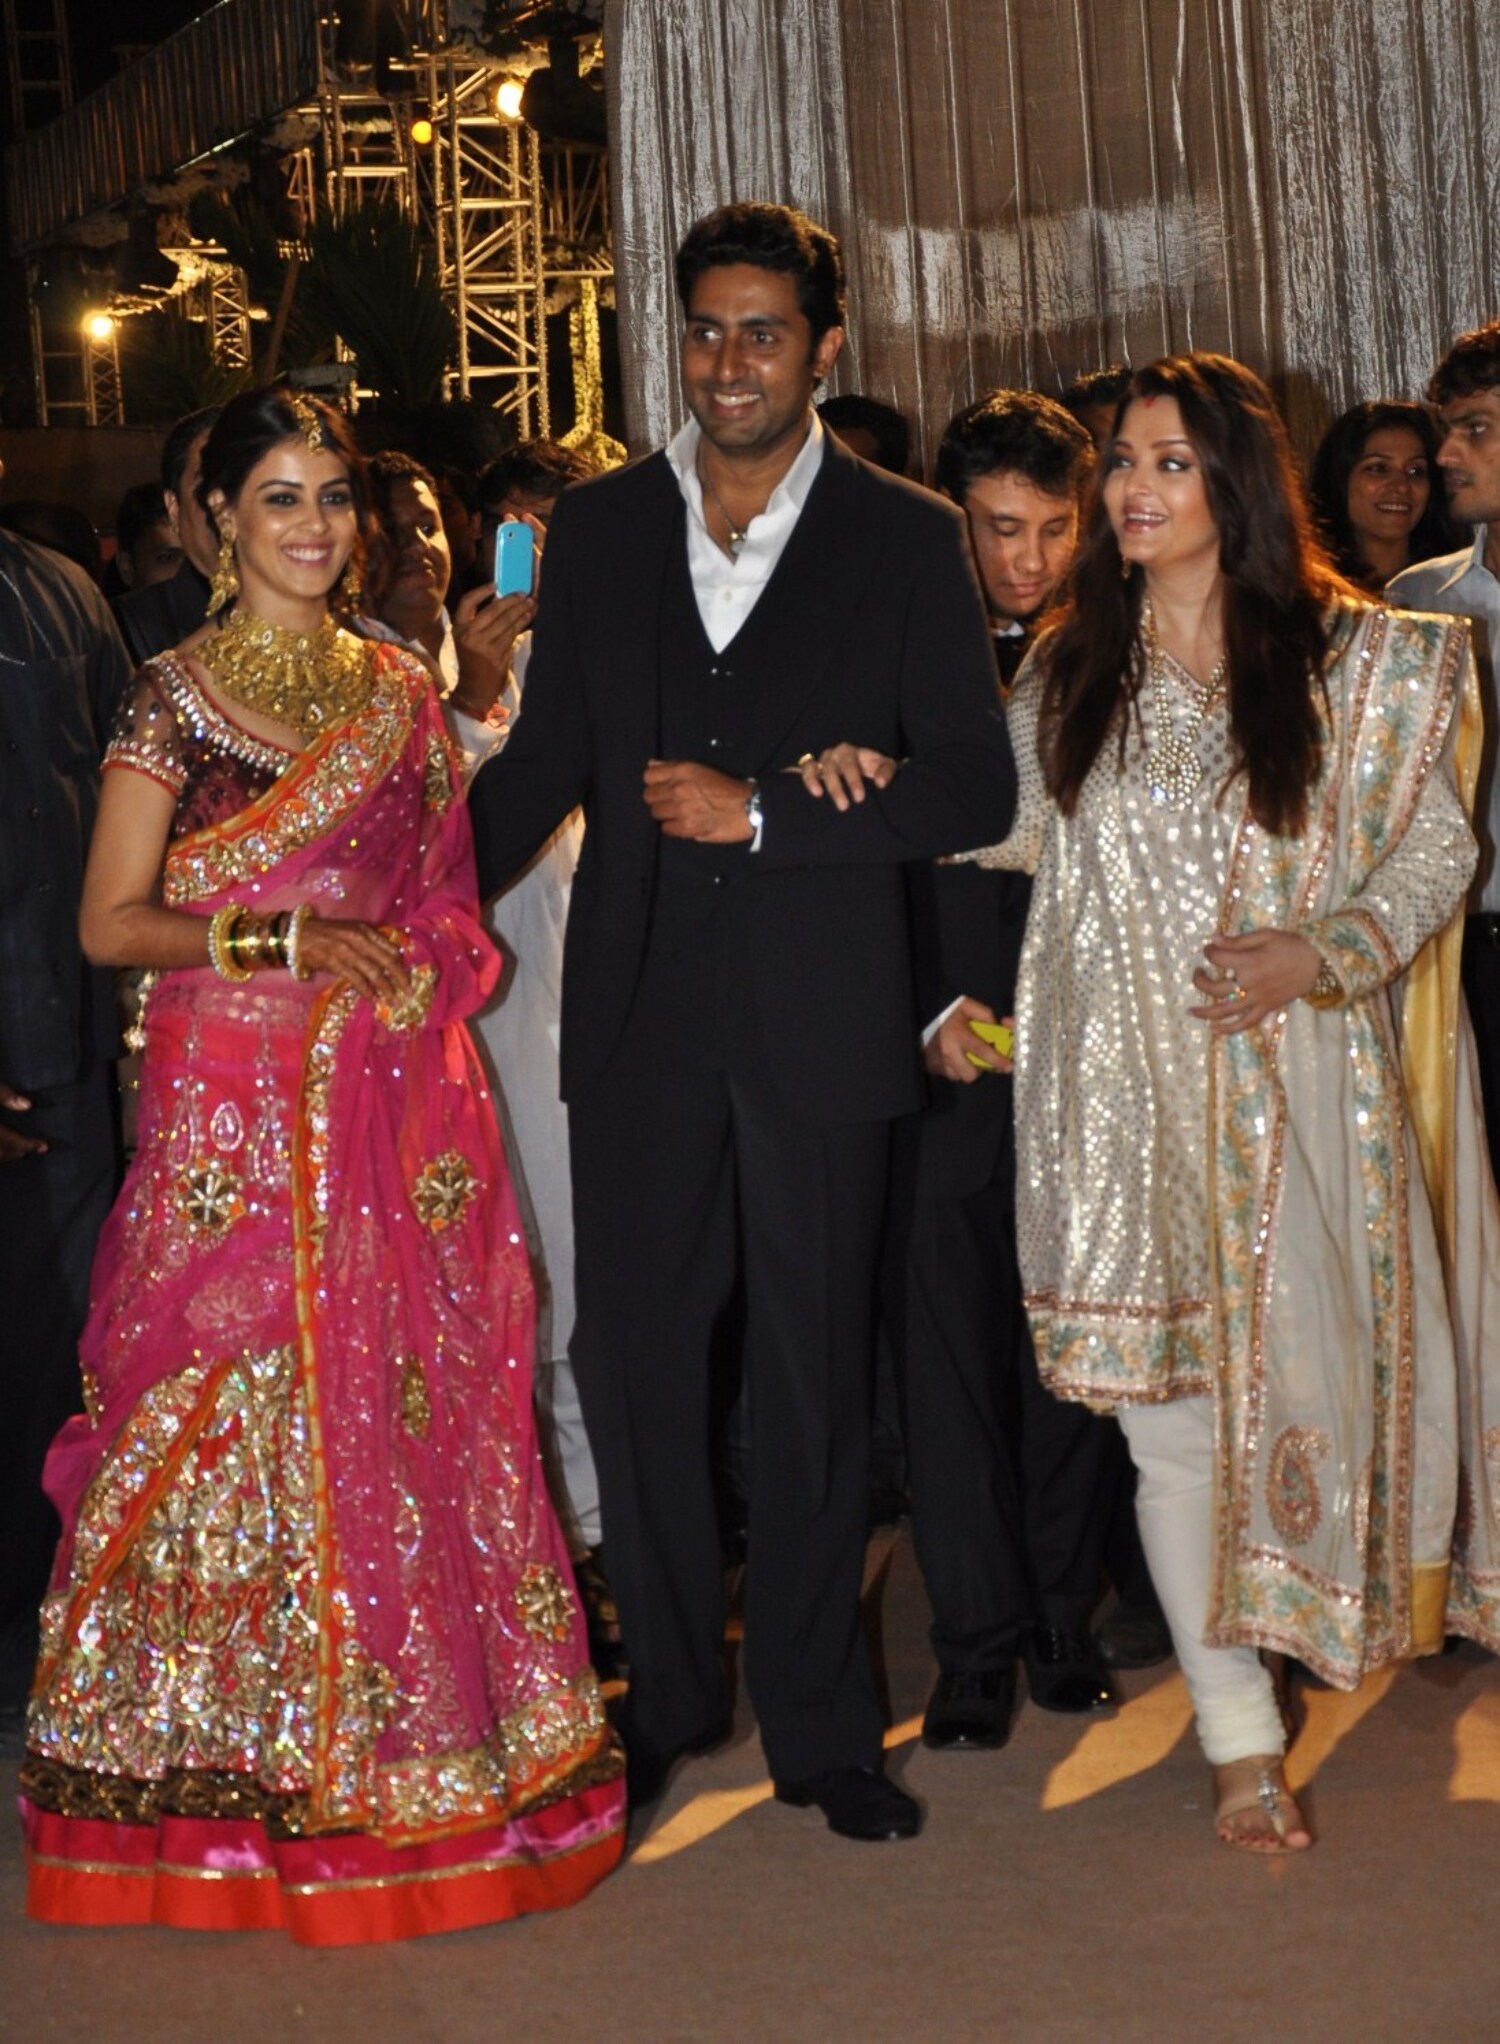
pixel 308 680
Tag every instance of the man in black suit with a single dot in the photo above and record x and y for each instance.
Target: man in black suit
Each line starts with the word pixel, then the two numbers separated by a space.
pixel 738 1004
pixel 1009 1486
pixel 159 617
pixel 63 672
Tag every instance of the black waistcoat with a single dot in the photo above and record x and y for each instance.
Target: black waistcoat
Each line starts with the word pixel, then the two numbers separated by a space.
pixel 707 710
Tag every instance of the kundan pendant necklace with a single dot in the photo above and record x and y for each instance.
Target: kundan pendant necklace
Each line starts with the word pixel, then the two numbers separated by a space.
pixel 1173 767
pixel 308 680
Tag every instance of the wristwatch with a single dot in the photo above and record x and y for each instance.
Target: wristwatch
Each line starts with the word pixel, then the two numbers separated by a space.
pixel 753 812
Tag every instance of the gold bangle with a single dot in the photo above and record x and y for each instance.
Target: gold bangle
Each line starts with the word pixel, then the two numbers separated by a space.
pixel 246 942
pixel 1326 990
pixel 221 926
pixel 293 945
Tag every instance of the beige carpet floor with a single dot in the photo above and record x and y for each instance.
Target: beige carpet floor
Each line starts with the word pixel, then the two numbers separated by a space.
pixel 1065 1889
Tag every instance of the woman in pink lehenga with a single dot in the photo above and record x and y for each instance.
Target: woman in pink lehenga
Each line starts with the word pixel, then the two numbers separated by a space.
pixel 311 1657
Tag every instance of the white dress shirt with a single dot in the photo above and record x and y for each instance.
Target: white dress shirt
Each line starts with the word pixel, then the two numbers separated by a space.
pixel 447 658
pixel 728 590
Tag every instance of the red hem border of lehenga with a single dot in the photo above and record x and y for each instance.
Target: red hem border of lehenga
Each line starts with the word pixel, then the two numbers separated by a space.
pixel 227 1874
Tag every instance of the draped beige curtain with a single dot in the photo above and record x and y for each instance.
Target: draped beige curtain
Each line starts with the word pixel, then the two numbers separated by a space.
pixel 1029 188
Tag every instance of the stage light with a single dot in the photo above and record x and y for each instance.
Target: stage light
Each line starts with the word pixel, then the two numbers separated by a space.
pixel 421 133
pixel 98 326
pixel 508 96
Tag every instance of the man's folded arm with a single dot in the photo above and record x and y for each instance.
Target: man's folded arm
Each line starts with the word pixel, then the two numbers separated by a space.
pixel 957 785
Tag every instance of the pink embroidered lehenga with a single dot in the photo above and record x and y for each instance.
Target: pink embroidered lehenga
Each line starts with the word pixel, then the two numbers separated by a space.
pixel 312 1656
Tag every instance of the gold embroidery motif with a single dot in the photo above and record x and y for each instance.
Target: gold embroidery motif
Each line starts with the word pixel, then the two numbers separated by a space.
pixel 322 1057
pixel 1359 1509
pixel 437 774
pixel 1492 1466
pixel 210 1198
pixel 416 1797
pixel 416 1405
pixel 1292 1495
pixel 314 795
pixel 545 1602
pixel 406 1014
pixel 442 1189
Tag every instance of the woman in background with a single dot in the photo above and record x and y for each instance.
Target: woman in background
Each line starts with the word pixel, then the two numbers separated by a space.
pixel 1377 492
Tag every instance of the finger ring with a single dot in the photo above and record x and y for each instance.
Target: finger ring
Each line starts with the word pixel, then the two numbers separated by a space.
pixel 1231 975
pixel 808 759
pixel 1239 994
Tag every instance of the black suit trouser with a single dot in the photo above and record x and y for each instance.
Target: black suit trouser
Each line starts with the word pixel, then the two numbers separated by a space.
pixel 685 1162
pixel 1481 977
pixel 52 1207
pixel 1011 1488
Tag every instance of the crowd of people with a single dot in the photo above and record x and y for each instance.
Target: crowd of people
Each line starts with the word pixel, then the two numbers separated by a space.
pixel 1004 953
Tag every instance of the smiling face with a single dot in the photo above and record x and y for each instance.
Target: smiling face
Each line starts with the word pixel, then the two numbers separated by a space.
pixel 294 526
pixel 1022 540
pixel 421 566
pixel 749 364
pixel 1389 486
pixel 1154 491
pixel 1470 456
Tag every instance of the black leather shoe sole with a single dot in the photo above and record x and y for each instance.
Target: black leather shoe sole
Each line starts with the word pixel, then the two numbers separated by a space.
pixel 856 1803
pixel 1133 1643
pixel 965 1735
pixel 1071 1695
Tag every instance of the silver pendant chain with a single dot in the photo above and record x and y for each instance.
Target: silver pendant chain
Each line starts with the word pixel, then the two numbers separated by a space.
pixel 737 534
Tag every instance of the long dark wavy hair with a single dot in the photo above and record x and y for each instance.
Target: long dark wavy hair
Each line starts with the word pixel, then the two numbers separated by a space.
pixel 1278 588
pixel 1338 455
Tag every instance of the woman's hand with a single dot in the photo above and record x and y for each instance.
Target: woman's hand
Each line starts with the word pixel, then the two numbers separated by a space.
pixel 842 770
pixel 485 630
pixel 358 952
pixel 1251 977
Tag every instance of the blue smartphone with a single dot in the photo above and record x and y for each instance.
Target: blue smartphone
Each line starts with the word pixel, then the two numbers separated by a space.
pixel 515 558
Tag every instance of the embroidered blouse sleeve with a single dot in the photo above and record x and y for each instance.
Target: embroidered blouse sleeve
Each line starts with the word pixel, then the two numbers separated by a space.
pixel 1022 849
pixel 147 737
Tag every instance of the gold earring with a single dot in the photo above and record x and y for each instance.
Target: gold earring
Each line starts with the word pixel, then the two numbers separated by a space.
pixel 1127 569
pixel 349 590
pixel 225 586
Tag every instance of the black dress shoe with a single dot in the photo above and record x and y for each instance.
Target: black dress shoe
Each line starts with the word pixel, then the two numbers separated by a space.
pixel 1133 1638
pixel 857 1801
pixel 970 1710
pixel 1064 1671
pixel 648 1767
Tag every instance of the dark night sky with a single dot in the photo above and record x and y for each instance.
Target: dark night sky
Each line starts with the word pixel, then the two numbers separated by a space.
pixel 145 21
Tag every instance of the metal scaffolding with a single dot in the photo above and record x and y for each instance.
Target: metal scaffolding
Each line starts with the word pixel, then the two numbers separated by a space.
pixel 77 373
pixel 481 193
pixel 510 219
pixel 38 62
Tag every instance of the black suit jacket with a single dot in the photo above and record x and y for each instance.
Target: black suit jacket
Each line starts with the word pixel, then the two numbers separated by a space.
pixel 968 925
pixel 885 645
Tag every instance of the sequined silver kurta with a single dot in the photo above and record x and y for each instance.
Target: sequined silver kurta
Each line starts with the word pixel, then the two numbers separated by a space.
pixel 1245 1216
pixel 1113 1219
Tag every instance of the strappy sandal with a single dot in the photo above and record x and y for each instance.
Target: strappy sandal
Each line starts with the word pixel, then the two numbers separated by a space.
pixel 1258 1783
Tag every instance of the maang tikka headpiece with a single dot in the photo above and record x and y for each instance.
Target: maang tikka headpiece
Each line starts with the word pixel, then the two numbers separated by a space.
pixel 309 422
